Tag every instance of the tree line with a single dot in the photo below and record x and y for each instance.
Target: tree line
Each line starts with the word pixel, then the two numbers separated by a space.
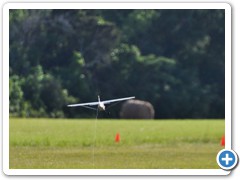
pixel 175 59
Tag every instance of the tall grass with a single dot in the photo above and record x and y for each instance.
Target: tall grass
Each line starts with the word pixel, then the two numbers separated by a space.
pixel 46 132
pixel 34 143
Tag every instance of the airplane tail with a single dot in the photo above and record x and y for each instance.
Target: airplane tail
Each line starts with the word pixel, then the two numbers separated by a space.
pixel 98 98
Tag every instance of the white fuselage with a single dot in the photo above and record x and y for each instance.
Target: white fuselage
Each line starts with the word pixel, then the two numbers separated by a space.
pixel 101 106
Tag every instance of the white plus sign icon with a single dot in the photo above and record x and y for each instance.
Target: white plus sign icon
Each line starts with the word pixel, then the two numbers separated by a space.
pixel 227 159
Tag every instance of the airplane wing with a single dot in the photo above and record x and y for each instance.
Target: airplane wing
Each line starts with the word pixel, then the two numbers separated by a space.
pixel 116 100
pixel 83 104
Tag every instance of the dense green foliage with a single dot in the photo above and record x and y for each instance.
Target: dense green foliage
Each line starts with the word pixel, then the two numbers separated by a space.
pixel 63 144
pixel 174 59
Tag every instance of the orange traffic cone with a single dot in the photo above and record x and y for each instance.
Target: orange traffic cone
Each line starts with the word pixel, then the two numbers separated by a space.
pixel 223 141
pixel 117 138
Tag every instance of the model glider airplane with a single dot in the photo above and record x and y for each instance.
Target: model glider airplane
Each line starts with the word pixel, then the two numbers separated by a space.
pixel 100 104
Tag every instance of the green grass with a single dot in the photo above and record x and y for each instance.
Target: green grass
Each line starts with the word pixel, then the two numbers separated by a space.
pixel 148 144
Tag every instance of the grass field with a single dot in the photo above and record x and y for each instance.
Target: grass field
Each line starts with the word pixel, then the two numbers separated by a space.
pixel 147 144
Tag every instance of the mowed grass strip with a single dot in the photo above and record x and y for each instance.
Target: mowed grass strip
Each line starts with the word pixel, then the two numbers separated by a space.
pixel 48 143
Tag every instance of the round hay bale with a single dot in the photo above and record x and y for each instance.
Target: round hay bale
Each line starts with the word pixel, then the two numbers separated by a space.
pixel 137 109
